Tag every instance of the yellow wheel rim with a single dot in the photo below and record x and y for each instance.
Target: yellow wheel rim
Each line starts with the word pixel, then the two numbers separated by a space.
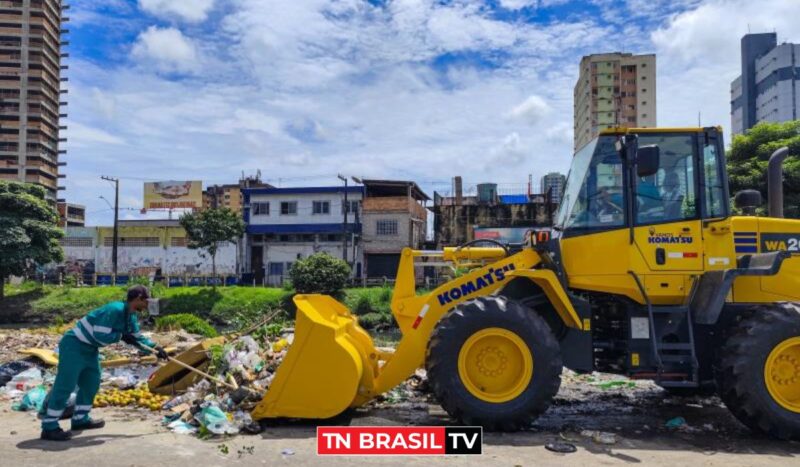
pixel 495 365
pixel 782 374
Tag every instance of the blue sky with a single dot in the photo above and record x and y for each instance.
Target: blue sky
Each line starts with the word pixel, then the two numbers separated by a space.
pixel 406 89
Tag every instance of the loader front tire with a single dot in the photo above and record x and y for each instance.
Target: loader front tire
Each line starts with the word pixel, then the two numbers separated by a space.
pixel 758 370
pixel 495 363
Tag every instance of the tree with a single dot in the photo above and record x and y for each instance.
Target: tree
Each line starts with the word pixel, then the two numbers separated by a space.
pixel 320 273
pixel 29 231
pixel 749 155
pixel 211 228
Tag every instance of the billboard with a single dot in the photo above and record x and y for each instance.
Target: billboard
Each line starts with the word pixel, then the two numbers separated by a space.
pixel 502 234
pixel 173 194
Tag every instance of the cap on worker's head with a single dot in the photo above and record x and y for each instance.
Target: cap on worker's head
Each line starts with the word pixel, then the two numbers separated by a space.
pixel 138 291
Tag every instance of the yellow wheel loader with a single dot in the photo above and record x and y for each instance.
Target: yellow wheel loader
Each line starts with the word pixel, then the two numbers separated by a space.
pixel 645 273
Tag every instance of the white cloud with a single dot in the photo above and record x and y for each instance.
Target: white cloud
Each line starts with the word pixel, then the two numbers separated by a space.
pixel 83 136
pixel 411 89
pixel 187 10
pixel 532 110
pixel 698 54
pixel 167 49
pixel 517 4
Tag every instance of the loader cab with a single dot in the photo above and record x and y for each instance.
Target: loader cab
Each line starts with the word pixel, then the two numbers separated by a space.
pixel 638 200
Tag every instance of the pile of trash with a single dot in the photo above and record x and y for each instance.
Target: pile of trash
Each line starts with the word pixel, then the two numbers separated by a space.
pixel 248 367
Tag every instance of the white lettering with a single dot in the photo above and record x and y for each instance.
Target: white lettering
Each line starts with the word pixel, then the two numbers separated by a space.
pixel 468 443
pixel 382 440
pixel 366 441
pixel 341 440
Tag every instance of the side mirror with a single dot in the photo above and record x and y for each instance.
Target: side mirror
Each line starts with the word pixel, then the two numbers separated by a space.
pixel 647 160
pixel 747 200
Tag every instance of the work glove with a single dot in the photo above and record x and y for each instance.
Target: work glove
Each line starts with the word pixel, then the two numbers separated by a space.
pixel 130 339
pixel 161 353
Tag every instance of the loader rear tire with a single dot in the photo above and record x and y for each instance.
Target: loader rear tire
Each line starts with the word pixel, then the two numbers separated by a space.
pixel 509 333
pixel 758 370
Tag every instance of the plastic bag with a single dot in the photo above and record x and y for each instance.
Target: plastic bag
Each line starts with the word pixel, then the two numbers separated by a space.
pixel 32 400
pixel 215 421
pixel 26 380
pixel 182 428
pixel 12 369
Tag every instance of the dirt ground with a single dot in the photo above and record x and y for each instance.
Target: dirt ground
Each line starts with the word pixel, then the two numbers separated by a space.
pixel 635 416
pixel 631 416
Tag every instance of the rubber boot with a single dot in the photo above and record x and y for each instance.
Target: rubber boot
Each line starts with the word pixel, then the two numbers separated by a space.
pixel 56 435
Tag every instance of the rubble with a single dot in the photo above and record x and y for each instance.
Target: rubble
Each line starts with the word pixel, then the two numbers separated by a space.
pixel 246 364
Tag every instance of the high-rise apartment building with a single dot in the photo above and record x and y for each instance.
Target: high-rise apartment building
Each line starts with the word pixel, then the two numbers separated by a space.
pixel 30 91
pixel 767 88
pixel 553 183
pixel 230 195
pixel 614 90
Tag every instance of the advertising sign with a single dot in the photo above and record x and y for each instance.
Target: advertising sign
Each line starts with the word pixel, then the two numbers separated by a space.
pixel 173 194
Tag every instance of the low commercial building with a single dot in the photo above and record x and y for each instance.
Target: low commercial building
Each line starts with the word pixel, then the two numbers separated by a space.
pixel 287 224
pixel 145 248
pixel 459 219
pixel 394 217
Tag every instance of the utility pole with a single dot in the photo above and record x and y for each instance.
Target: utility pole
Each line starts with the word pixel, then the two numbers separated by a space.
pixel 115 243
pixel 344 224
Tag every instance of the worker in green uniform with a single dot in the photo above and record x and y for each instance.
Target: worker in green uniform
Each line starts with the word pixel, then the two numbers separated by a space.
pixel 79 362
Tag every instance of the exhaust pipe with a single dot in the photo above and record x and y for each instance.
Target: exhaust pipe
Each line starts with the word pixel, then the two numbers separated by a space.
pixel 775 181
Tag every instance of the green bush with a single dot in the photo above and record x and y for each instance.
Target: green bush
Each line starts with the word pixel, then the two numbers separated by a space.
pixel 237 306
pixel 373 320
pixel 187 322
pixel 369 300
pixel 320 273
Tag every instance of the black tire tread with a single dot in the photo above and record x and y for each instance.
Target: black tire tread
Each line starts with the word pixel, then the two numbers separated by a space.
pixel 737 391
pixel 437 372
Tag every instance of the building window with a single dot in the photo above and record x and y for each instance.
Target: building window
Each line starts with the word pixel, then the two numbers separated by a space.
pixel 353 207
pixel 644 89
pixel 386 227
pixel 644 65
pixel 288 208
pixel 76 241
pixel 644 78
pixel 644 102
pixel 260 209
pixel 331 238
pixel 177 241
pixel 321 207
pixel 132 241
pixel 275 269
pixel 644 115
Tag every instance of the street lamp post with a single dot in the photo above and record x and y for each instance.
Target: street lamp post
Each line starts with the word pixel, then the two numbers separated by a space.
pixel 344 224
pixel 115 243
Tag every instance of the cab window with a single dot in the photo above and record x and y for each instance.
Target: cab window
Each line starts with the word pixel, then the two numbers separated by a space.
pixel 716 203
pixel 600 202
pixel 668 195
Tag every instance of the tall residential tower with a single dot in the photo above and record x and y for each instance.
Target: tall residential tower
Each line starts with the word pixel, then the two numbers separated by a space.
pixel 614 90
pixel 30 92
pixel 767 88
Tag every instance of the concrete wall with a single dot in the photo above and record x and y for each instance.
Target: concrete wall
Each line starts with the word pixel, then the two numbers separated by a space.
pixel 374 243
pixel 166 255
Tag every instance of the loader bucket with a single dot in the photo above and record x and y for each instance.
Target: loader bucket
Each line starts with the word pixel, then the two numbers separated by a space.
pixel 330 357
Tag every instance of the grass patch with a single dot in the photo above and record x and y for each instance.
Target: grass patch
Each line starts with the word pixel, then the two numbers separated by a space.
pixel 187 322
pixel 362 301
pixel 233 307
